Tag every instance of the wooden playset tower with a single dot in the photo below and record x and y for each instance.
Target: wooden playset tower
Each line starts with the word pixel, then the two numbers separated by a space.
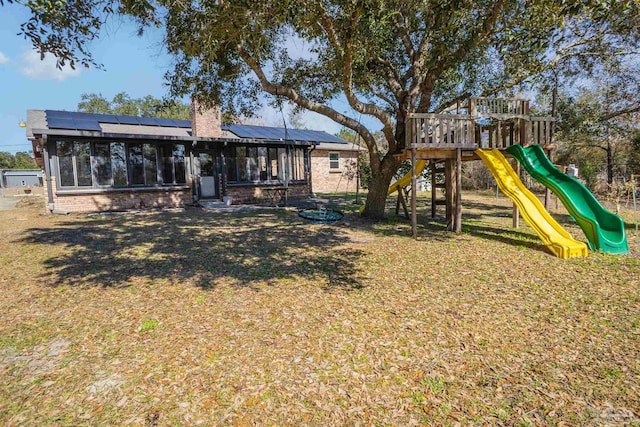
pixel 451 137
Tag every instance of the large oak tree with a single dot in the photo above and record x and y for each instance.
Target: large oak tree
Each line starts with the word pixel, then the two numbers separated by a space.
pixel 387 58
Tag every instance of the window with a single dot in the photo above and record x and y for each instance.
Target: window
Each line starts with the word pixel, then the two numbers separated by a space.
pixel 102 161
pixel 298 164
pixel 119 164
pixel 74 163
pixel 264 164
pixel 241 155
pixel 273 163
pixel 179 164
pixel 252 162
pixel 232 165
pixel 65 163
pixel 334 160
pixel 136 164
pixel 173 164
pixel 83 163
pixel 150 164
pixel 282 161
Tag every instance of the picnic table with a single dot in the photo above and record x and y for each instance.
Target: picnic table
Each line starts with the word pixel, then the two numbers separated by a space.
pixel 277 194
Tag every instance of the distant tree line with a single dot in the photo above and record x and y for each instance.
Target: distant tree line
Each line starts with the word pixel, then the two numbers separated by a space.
pixel 124 105
pixel 20 160
pixel 148 106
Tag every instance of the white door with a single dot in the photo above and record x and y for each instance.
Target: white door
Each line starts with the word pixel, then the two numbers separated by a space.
pixel 207 176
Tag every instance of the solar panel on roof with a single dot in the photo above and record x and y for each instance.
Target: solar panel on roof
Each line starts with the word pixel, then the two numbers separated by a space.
pixel 60 123
pixel 70 115
pixel 147 121
pixel 170 122
pixel 68 123
pixel 107 118
pixel 57 114
pixel 128 120
pixel 265 132
pixel 87 125
pixel 181 123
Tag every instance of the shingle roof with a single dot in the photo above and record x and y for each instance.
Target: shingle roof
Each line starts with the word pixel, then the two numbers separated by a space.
pixel 73 120
pixel 266 132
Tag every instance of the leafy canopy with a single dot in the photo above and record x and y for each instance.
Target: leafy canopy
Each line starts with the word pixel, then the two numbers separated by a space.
pixel 21 160
pixel 386 58
pixel 123 104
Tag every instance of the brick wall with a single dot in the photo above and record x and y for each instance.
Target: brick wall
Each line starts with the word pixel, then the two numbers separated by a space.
pixel 205 123
pixel 327 180
pixel 251 194
pixel 120 200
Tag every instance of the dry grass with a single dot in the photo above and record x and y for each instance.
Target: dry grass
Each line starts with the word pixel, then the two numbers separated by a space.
pixel 187 318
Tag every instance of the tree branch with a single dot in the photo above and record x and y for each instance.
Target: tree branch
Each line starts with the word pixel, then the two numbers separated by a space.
pixel 445 105
pixel 290 93
pixel 400 22
pixel 618 113
pixel 347 78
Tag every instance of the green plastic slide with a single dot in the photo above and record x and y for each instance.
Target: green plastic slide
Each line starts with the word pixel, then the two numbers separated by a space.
pixel 603 229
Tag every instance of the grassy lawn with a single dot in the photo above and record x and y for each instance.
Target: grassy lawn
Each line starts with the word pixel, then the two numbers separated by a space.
pixel 214 318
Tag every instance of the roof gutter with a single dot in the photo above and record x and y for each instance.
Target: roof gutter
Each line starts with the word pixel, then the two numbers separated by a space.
pixel 112 135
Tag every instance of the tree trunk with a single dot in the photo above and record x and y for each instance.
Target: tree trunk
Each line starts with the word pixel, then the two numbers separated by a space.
pixel 378 187
pixel 609 163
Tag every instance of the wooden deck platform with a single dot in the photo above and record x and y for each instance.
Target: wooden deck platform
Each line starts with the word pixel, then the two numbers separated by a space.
pixel 453 136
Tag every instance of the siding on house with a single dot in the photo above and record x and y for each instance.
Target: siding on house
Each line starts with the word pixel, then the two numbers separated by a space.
pixel 97 162
pixel 328 180
pixel 20 178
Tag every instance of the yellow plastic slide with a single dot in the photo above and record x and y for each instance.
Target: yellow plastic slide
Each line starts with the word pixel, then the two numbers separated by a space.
pixel 402 182
pixel 405 180
pixel 556 238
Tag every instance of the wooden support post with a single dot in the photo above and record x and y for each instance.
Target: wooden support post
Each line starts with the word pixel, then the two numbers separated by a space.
pixel 458 192
pixel 414 181
pixel 516 212
pixel 449 182
pixel 434 194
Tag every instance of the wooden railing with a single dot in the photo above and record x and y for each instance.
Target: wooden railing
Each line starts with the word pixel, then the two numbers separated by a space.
pixel 482 106
pixel 449 131
pixel 426 130
pixel 541 130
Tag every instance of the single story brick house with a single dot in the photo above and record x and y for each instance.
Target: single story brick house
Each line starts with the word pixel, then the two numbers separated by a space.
pixel 334 167
pixel 104 162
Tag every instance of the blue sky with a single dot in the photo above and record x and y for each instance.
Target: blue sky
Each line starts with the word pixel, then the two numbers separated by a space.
pixel 133 64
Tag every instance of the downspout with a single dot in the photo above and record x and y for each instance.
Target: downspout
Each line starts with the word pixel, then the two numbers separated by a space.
pixel 313 147
pixel 47 173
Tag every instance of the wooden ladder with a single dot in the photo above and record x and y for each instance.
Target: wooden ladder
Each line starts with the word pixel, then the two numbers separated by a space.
pixel 436 169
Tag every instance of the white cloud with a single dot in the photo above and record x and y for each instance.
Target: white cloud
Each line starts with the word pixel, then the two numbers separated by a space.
pixel 3 58
pixel 45 69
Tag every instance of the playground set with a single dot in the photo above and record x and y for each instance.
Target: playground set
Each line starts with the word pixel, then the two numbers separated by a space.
pixel 493 130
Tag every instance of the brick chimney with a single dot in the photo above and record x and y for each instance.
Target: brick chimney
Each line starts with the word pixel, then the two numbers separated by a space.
pixel 205 123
